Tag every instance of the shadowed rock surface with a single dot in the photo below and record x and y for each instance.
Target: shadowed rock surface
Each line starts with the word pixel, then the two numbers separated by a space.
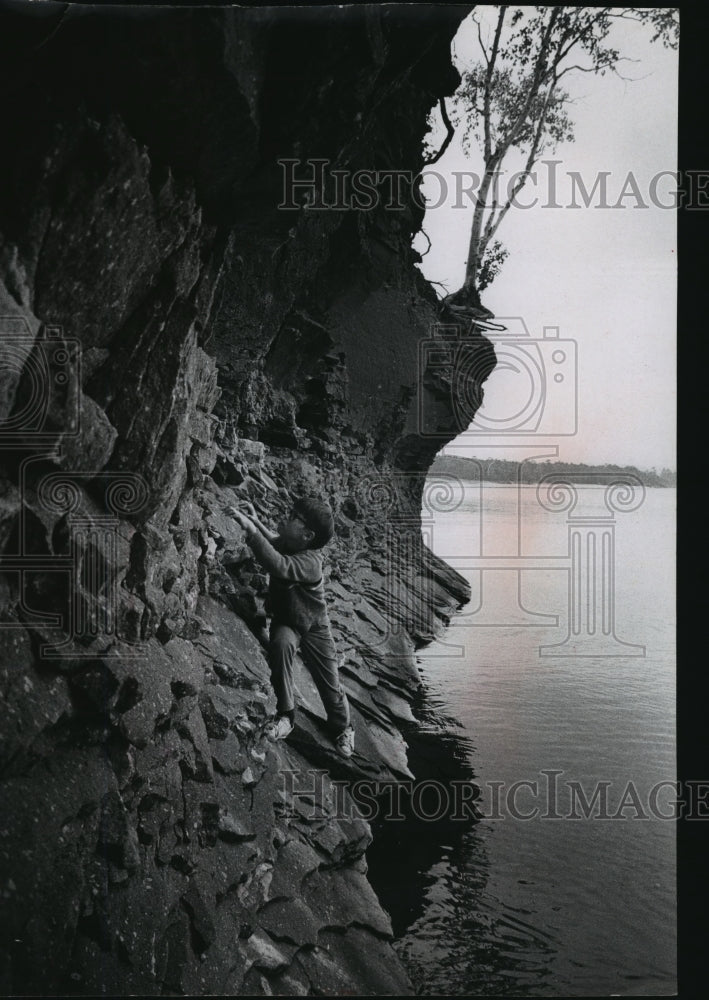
pixel 172 344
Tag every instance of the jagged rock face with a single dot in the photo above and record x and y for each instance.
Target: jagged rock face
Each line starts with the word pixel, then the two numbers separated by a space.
pixel 173 343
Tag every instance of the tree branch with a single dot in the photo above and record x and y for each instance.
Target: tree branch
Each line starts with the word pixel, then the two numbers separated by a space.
pixel 488 82
pixel 576 37
pixel 531 160
pixel 449 130
pixel 537 80
pixel 581 69
pixel 440 285
pixel 480 41
pixel 424 233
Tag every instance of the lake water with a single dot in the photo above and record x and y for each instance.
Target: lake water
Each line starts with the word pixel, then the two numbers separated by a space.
pixel 547 906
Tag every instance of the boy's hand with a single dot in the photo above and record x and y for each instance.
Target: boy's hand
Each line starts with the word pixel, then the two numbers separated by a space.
pixel 249 507
pixel 240 518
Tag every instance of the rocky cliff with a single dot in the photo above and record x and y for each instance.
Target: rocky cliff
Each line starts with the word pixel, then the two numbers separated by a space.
pixel 172 343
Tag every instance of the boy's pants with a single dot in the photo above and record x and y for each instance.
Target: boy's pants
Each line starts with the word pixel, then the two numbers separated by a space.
pixel 320 657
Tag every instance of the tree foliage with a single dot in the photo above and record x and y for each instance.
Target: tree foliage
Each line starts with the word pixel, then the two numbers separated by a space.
pixel 514 98
pixel 493 258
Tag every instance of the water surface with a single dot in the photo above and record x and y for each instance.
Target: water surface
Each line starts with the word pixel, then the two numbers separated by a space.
pixel 554 906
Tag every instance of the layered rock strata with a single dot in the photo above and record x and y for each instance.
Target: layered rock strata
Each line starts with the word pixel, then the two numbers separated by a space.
pixel 174 343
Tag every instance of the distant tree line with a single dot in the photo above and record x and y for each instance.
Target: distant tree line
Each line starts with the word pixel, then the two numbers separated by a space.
pixel 499 470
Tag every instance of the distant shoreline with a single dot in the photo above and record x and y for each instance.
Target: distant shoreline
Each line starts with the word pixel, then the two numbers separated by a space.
pixel 576 482
pixel 502 472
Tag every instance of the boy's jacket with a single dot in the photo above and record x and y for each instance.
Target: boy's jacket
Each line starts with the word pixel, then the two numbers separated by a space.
pixel 296 596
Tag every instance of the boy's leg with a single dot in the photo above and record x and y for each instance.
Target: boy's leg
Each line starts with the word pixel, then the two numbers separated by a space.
pixel 320 656
pixel 281 653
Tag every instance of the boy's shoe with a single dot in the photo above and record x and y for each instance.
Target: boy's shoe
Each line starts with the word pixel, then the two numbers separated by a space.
pixel 345 742
pixel 279 728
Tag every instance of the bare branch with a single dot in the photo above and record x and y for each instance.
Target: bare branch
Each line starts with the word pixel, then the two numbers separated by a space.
pixel 440 285
pixel 481 43
pixel 630 79
pixel 581 69
pixel 450 132
pixel 424 233
pixel 627 14
pixel 596 69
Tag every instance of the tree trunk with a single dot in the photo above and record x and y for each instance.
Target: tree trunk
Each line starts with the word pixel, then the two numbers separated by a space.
pixel 476 248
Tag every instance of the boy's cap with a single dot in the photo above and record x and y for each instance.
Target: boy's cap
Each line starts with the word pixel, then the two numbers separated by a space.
pixel 317 516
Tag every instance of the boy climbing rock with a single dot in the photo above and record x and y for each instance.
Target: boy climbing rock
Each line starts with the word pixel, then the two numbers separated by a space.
pixel 299 613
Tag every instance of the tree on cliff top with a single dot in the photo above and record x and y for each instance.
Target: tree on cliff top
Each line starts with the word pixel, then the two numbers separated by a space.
pixel 514 100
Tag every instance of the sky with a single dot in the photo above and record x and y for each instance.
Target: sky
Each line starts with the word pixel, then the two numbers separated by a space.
pixel 606 277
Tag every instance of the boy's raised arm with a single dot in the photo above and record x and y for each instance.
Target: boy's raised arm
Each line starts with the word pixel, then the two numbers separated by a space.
pixel 266 532
pixel 302 567
pixel 254 518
